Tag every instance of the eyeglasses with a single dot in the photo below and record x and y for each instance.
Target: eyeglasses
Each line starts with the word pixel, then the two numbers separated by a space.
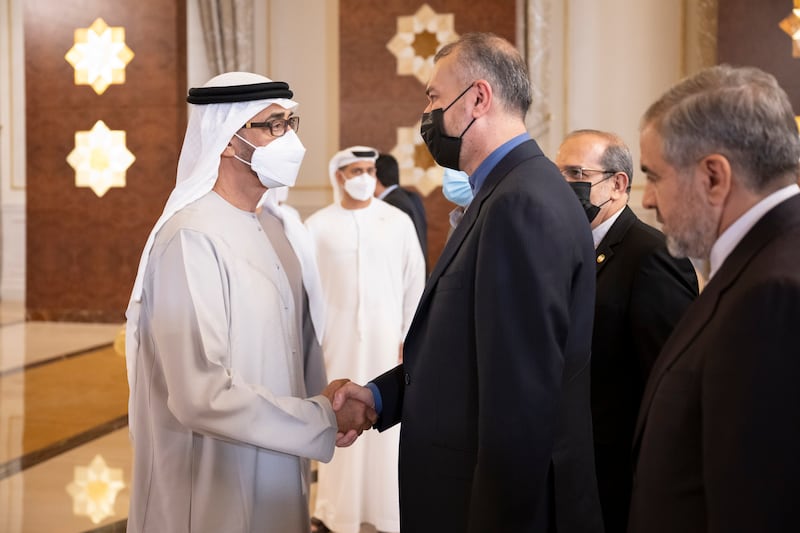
pixel 277 126
pixel 580 173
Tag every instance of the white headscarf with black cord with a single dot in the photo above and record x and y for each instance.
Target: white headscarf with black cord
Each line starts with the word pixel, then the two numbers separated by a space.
pixel 346 157
pixel 223 105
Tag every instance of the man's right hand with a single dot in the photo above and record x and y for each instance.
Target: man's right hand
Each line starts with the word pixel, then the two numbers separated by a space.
pixel 355 411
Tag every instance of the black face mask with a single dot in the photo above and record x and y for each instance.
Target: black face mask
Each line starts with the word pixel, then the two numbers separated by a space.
pixel 583 189
pixel 445 150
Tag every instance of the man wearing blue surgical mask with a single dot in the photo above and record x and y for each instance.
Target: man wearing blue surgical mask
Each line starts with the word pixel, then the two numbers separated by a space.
pixel 642 291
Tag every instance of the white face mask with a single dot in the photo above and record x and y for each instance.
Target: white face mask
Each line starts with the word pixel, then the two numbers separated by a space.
pixel 277 163
pixel 361 187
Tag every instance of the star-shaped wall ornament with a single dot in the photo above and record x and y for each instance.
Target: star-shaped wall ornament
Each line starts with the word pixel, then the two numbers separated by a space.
pixel 417 167
pixel 791 25
pixel 100 158
pixel 99 55
pixel 417 40
pixel 94 490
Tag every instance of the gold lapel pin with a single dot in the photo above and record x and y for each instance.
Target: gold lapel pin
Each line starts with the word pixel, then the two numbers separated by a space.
pixel 601 258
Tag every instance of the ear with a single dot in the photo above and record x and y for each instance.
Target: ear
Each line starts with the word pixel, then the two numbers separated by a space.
pixel 621 181
pixel 482 98
pixel 716 178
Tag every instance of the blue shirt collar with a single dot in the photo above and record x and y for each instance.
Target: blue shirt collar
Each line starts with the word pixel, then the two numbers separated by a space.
pixel 477 178
pixel 386 191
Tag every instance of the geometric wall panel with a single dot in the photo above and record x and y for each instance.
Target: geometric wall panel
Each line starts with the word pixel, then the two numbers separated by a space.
pixel 82 251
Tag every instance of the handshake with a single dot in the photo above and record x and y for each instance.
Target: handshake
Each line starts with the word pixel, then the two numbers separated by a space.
pixel 354 407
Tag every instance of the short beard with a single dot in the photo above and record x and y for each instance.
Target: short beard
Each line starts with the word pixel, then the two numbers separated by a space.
pixel 695 230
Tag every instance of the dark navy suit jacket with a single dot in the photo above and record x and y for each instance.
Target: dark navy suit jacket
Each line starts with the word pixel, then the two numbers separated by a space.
pixel 494 391
pixel 411 204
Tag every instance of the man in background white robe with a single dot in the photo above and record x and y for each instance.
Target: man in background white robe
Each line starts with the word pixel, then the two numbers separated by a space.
pixel 225 372
pixel 372 273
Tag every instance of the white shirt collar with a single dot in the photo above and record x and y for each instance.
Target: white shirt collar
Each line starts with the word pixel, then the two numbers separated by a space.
pixel 599 233
pixel 726 242
pixel 387 190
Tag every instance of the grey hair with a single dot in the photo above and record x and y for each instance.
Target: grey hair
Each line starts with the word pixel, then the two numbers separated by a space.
pixel 617 155
pixel 740 113
pixel 490 57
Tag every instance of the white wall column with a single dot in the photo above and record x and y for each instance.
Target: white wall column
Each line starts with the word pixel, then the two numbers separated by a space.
pixel 12 151
pixel 619 57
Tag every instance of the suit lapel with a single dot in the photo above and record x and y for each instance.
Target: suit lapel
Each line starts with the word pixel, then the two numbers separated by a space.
pixel 617 231
pixel 771 226
pixel 524 151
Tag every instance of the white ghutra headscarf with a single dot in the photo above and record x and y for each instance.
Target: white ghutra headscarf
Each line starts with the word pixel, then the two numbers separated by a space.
pixel 210 129
pixel 345 157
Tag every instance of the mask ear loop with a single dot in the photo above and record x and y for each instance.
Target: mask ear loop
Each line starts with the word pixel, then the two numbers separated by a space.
pixel 471 85
pixel 468 127
pixel 236 156
pixel 253 146
pixel 601 181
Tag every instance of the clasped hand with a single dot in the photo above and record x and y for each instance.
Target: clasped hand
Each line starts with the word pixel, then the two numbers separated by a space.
pixel 354 408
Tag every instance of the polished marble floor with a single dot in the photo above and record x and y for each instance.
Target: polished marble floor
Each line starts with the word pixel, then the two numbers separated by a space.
pixel 65 456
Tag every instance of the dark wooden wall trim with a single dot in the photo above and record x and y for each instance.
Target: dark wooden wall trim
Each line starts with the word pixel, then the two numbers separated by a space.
pixel 82 251
pixel 748 34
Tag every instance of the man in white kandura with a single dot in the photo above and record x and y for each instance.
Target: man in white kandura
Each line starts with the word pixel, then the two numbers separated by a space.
pixel 372 273
pixel 225 371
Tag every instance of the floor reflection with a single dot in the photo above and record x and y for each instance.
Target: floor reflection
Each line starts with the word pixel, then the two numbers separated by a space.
pixel 65 455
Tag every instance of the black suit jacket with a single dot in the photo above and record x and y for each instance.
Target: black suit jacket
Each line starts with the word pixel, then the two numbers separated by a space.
pixel 494 390
pixel 642 292
pixel 410 203
pixel 718 435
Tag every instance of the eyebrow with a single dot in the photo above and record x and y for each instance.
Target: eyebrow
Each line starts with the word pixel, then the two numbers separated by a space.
pixel 279 114
pixel 649 173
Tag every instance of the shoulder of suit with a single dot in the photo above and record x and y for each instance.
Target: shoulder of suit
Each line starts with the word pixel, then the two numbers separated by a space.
pixel 394 193
pixel 643 242
pixel 388 209
pixel 647 234
pixel 631 238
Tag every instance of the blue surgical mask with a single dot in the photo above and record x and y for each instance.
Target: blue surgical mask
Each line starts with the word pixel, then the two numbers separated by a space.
pixel 456 187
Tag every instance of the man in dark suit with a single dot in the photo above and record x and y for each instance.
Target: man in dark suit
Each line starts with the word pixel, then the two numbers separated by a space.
pixel 642 291
pixel 389 190
pixel 718 433
pixel 493 393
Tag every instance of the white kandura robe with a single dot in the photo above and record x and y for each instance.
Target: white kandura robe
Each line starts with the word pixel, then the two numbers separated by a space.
pixel 221 428
pixel 373 274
